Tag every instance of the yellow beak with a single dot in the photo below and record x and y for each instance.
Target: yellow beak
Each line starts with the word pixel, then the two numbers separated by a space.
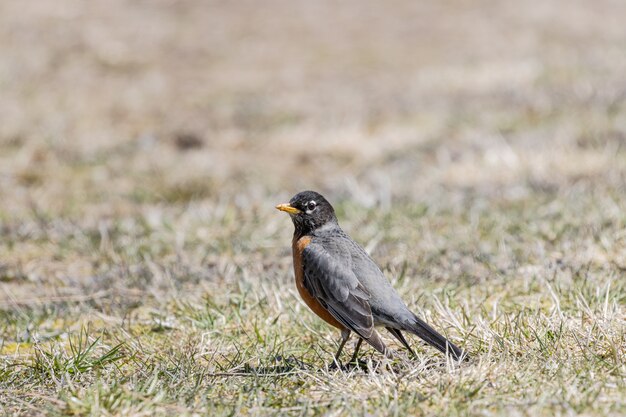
pixel 289 209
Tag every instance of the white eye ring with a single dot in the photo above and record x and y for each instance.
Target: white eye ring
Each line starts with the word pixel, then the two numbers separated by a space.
pixel 310 206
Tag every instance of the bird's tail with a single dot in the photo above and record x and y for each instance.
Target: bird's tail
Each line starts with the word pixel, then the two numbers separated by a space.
pixel 421 329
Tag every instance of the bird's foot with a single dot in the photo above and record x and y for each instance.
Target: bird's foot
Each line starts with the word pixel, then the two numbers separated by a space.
pixel 350 366
pixel 358 364
pixel 334 365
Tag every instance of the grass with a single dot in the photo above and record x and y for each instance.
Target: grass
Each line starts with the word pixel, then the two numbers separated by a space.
pixel 144 270
pixel 547 337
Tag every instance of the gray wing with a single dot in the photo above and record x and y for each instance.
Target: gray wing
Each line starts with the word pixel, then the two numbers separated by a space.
pixel 385 304
pixel 336 287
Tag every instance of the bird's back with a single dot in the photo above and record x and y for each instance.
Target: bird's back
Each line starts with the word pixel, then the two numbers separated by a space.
pixel 387 306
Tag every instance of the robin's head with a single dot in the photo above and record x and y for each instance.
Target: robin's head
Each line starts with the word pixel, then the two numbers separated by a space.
pixel 308 211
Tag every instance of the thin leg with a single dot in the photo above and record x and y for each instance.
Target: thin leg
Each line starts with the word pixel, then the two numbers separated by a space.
pixel 345 335
pixel 398 335
pixel 356 351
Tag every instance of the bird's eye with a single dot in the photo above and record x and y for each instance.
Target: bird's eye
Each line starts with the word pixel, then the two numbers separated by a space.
pixel 311 205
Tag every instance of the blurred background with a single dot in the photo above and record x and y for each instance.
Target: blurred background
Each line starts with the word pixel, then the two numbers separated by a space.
pixel 477 149
pixel 191 119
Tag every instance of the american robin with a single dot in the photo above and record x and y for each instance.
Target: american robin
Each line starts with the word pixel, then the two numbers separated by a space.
pixel 339 281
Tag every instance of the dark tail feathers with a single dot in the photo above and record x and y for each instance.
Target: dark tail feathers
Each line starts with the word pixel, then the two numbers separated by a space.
pixel 430 336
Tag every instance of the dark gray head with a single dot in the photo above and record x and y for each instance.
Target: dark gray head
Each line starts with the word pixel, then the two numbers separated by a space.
pixel 309 211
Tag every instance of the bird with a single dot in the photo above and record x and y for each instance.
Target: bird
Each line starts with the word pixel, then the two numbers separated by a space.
pixel 341 284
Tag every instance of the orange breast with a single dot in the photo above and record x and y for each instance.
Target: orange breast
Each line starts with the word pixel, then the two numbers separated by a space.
pixel 298 246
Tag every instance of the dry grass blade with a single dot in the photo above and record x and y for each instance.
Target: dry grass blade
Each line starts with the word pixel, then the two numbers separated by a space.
pixel 476 149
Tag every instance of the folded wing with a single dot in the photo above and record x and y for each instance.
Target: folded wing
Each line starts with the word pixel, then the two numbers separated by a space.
pixel 338 290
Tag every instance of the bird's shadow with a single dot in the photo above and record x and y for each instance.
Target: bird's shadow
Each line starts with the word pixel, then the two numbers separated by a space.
pixel 286 365
pixel 292 365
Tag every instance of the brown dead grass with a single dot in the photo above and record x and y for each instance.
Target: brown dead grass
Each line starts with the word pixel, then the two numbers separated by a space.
pixel 477 149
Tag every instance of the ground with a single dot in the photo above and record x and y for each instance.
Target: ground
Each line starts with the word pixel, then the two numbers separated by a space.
pixel 476 149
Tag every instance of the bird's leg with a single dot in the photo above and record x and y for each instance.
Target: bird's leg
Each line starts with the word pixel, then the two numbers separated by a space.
pixel 398 335
pixel 345 335
pixel 356 351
